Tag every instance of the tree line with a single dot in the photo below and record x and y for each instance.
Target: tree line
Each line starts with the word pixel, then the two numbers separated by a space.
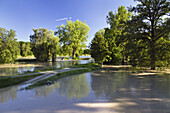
pixel 45 44
pixel 138 36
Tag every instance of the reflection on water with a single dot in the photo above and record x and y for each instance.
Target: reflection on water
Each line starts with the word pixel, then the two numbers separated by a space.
pixel 8 94
pixel 70 87
pixel 39 66
pixel 76 86
pixel 102 90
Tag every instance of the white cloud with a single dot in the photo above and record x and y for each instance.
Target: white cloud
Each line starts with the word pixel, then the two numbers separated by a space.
pixel 61 19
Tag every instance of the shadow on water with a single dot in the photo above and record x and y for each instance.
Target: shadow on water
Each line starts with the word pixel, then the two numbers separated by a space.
pixel 100 91
pixel 133 93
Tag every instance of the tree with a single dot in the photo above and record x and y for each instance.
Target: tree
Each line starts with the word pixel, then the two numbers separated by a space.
pixel 9 47
pixel 113 34
pixel 44 44
pixel 54 45
pixel 149 25
pixel 72 36
pixel 25 49
pixel 40 42
pixel 99 47
pixel 86 52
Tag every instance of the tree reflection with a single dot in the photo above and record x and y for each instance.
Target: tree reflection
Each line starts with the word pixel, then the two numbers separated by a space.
pixel 107 83
pixel 117 84
pixel 47 90
pixel 8 94
pixel 75 86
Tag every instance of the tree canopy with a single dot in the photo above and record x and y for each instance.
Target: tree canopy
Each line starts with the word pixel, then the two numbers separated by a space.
pixel 113 34
pixel 148 27
pixel 44 44
pixel 72 36
pixel 99 47
pixel 9 47
pixel 25 48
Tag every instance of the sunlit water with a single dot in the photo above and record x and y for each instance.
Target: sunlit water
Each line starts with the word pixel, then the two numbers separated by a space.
pixel 103 91
pixel 7 71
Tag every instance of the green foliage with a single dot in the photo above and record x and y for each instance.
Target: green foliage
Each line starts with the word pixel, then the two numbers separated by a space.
pixel 54 45
pixel 88 65
pixel 9 47
pixel 86 51
pixel 113 34
pixel 115 51
pixel 99 47
pixel 147 28
pixel 44 44
pixel 9 81
pixel 25 49
pixel 72 36
pixel 40 43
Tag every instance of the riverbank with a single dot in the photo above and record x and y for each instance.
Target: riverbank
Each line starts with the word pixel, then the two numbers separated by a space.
pixel 49 75
pixel 138 71
pixel 54 74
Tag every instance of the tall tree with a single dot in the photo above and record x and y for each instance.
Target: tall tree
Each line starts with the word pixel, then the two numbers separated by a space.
pixel 40 42
pixel 149 24
pixel 45 44
pixel 73 35
pixel 99 47
pixel 113 34
pixel 54 45
pixel 9 47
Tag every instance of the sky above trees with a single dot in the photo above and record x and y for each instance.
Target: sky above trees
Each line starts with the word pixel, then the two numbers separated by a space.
pixel 25 15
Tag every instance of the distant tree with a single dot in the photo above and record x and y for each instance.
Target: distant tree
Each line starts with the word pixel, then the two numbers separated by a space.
pixel 9 47
pixel 40 43
pixel 54 45
pixel 99 47
pixel 86 52
pixel 25 49
pixel 149 26
pixel 72 36
pixel 44 44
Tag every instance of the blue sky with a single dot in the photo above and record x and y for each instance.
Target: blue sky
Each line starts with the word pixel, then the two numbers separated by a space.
pixel 24 15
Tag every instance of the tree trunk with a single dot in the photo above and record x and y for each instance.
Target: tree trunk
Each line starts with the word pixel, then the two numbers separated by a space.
pixel 153 57
pixel 53 57
pixel 73 54
pixel 101 63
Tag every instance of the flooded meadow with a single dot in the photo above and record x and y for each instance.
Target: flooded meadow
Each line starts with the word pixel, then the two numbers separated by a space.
pixel 101 91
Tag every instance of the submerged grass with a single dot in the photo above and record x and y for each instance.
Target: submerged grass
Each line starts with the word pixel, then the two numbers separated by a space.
pixel 9 81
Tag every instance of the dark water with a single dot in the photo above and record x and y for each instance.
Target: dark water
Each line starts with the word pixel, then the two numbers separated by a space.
pixel 38 66
pixel 103 91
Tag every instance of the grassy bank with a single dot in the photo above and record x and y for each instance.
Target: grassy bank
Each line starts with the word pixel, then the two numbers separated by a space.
pixel 9 81
pixel 88 67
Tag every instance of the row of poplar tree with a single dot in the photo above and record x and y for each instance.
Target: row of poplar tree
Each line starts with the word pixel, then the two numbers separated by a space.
pixel 45 44
pixel 139 36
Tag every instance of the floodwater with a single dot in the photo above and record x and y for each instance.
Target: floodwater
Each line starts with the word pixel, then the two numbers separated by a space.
pixel 102 91
pixel 33 66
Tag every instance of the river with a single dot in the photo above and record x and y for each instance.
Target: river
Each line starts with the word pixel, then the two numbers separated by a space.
pixel 101 91
pixel 22 67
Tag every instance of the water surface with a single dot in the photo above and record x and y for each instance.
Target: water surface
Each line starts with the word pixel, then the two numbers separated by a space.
pixel 34 66
pixel 102 91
